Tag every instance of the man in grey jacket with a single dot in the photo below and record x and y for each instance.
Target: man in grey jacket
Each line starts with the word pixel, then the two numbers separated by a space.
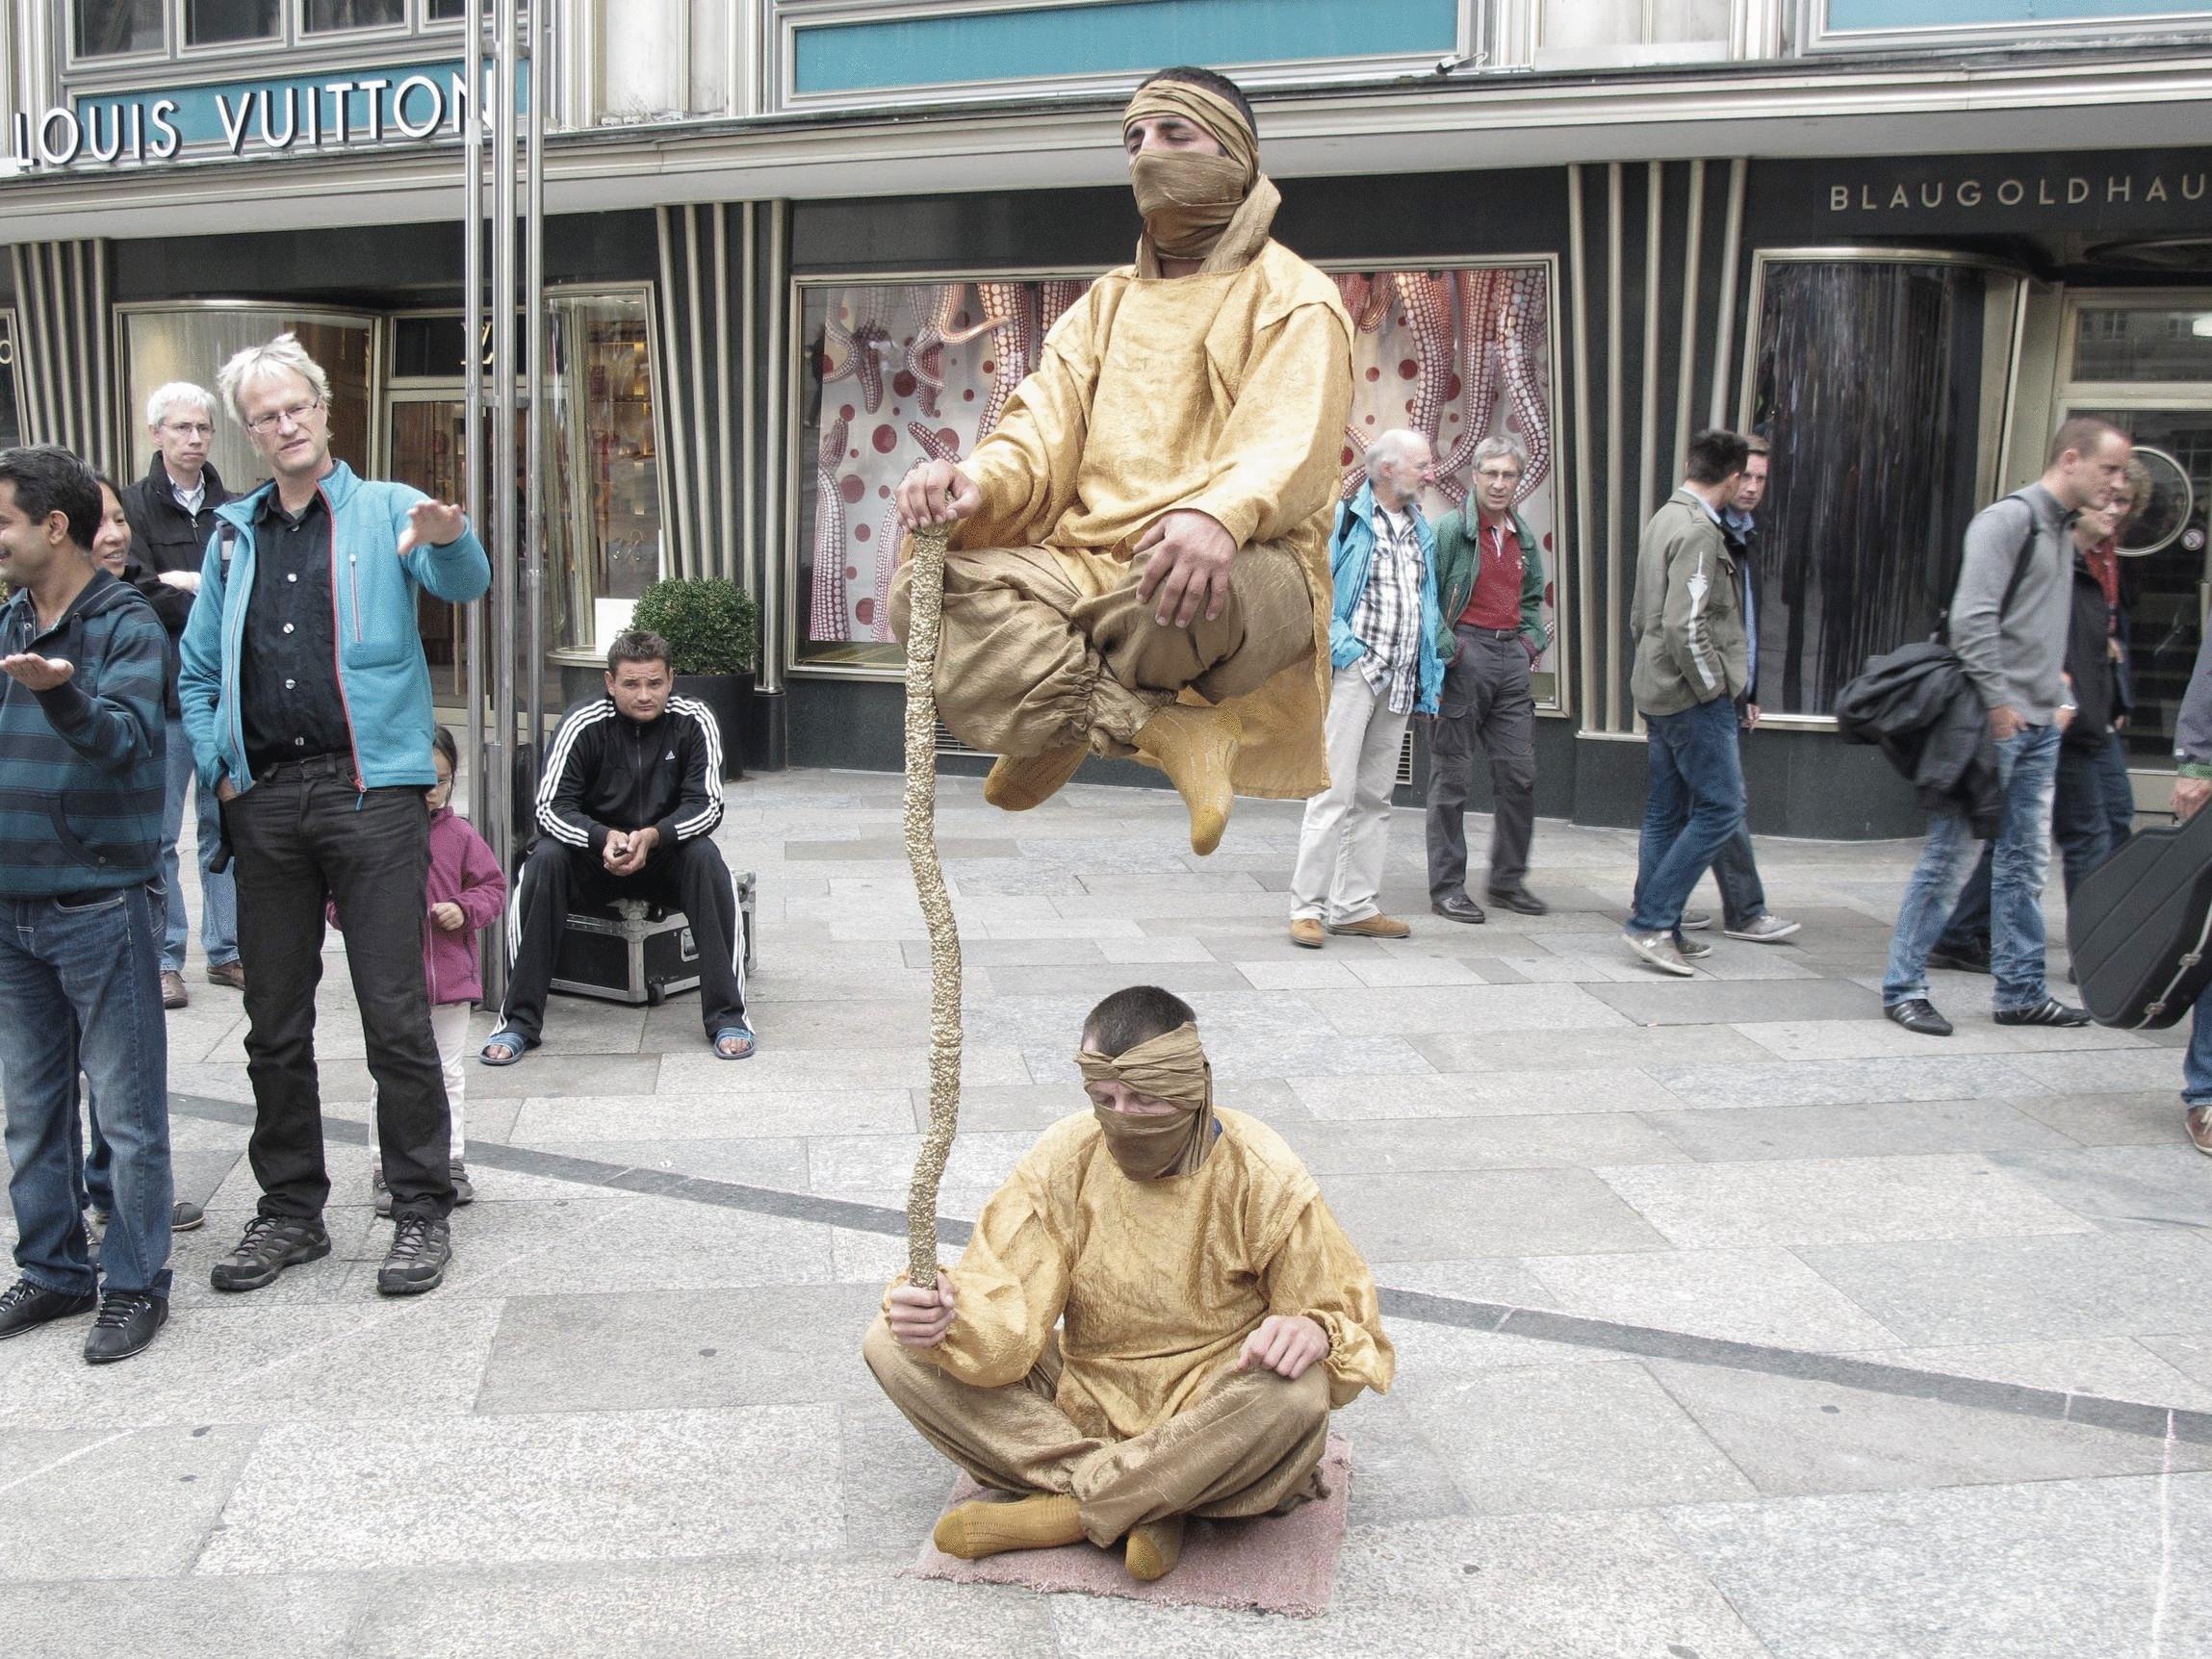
pixel 1691 665
pixel 2192 789
pixel 2007 623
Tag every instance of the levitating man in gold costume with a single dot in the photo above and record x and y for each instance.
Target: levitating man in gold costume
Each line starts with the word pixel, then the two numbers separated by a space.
pixel 1211 1311
pixel 1140 561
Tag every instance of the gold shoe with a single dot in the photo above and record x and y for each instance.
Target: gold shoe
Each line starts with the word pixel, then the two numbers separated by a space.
pixel 978 1528
pixel 1197 748
pixel 1019 781
pixel 1154 1548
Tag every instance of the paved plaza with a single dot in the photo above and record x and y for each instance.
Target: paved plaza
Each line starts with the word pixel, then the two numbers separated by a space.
pixel 1730 1319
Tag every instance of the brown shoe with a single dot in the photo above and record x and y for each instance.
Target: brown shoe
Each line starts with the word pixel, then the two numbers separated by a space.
pixel 174 989
pixel 231 973
pixel 2199 1122
pixel 1197 748
pixel 1306 931
pixel 1376 927
pixel 1019 781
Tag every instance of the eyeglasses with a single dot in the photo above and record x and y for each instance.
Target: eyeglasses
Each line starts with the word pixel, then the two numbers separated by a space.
pixel 189 428
pixel 296 413
pixel 1499 474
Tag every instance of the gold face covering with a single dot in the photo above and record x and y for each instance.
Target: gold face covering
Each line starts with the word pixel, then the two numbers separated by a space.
pixel 1210 208
pixel 1170 1067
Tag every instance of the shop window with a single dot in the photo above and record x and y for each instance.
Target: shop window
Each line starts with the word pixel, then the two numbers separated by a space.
pixel 114 28
pixel 894 373
pixel 223 23
pixel 1873 381
pixel 10 407
pixel 1602 32
pixel 166 342
pixel 323 16
pixel 2143 343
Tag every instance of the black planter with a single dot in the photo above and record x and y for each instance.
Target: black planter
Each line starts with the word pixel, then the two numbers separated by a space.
pixel 730 697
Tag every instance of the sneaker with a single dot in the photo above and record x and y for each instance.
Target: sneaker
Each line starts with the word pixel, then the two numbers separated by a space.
pixel 2051 1011
pixel 1693 950
pixel 1306 931
pixel 1376 927
pixel 1660 951
pixel 269 1244
pixel 173 994
pixel 1696 921
pixel 186 1216
pixel 380 1194
pixel 463 1193
pixel 2198 1121
pixel 231 973
pixel 1763 930
pixel 125 1325
pixel 420 1248
pixel 25 1307
pixel 1918 1015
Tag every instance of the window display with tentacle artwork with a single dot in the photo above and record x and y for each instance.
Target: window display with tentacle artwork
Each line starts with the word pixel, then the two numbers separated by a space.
pixel 892 372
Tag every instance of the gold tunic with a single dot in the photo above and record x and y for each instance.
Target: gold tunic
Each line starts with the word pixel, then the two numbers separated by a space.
pixel 1158 1281
pixel 1224 392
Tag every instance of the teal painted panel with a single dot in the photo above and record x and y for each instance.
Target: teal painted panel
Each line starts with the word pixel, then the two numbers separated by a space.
pixel 1965 13
pixel 200 114
pixel 1125 36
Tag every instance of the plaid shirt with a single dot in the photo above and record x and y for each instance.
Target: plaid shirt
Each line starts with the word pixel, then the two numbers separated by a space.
pixel 1388 615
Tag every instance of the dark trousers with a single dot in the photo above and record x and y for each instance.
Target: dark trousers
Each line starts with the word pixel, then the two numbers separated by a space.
pixel 301 832
pixel 1736 872
pixel 1694 804
pixel 2081 822
pixel 558 878
pixel 1486 701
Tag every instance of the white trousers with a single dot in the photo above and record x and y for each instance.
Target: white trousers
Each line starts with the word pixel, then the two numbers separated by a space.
pixel 1346 828
pixel 449 1025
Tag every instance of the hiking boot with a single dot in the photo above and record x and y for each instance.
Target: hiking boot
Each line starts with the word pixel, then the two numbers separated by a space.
pixel 269 1244
pixel 25 1307
pixel 380 1194
pixel 125 1325
pixel 463 1191
pixel 420 1248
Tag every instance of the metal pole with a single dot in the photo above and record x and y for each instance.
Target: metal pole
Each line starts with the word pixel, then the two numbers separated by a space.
pixel 473 403
pixel 540 23
pixel 500 753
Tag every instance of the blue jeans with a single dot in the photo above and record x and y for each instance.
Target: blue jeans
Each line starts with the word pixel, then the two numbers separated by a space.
pixel 1694 806
pixel 80 986
pixel 218 893
pixel 2115 792
pixel 2085 822
pixel 2197 1057
pixel 2027 763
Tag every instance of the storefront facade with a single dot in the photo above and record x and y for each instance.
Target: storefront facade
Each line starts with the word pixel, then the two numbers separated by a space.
pixel 774 283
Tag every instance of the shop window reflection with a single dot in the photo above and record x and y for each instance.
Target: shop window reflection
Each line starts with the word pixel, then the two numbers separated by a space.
pixel 328 15
pixel 115 28
pixel 603 503
pixel 893 373
pixel 1867 379
pixel 215 22
pixel 10 408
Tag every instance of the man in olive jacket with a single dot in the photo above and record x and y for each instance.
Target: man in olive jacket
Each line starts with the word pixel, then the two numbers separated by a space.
pixel 1691 664
pixel 1490 585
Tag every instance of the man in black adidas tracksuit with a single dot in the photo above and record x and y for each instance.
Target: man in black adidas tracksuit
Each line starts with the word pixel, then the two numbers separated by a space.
pixel 632 792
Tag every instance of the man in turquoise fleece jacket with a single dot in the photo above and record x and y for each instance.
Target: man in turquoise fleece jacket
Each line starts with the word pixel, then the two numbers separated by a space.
pixel 308 702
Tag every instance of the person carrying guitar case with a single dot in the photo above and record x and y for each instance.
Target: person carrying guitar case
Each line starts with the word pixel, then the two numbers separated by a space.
pixel 2141 928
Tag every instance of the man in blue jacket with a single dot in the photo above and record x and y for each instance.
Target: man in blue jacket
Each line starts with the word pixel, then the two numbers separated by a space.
pixel 1385 653
pixel 84 666
pixel 308 704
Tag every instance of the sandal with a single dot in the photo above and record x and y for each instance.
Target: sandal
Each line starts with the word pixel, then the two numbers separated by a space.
pixel 737 1035
pixel 510 1047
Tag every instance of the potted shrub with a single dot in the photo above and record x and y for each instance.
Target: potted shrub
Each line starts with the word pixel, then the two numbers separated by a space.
pixel 714 633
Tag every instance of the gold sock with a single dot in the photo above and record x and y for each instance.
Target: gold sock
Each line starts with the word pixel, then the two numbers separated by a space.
pixel 1197 748
pixel 1019 781
pixel 977 1528
pixel 1154 1548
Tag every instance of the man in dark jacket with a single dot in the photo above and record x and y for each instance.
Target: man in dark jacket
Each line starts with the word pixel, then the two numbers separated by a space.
pixel 631 796
pixel 171 513
pixel 82 666
pixel 2008 622
pixel 2192 789
pixel 1490 586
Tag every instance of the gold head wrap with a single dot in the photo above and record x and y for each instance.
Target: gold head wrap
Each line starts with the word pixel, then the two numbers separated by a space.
pixel 1216 209
pixel 1170 1067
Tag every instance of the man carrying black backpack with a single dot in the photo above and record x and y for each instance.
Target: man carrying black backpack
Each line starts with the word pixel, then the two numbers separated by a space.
pixel 2008 625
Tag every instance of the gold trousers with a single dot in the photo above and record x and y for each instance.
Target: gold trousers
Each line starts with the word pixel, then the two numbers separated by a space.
pixel 1249 1445
pixel 1048 647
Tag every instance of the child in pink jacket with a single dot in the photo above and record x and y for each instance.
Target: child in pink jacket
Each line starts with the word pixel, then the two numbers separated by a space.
pixel 466 893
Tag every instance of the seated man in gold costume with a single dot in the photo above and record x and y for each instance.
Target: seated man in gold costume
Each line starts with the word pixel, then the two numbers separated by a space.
pixel 1140 564
pixel 1211 1315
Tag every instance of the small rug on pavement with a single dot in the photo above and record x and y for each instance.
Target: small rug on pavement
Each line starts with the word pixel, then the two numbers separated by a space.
pixel 1274 1563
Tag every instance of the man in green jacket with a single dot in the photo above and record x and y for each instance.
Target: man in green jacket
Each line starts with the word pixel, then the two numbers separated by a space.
pixel 1490 587
pixel 1691 664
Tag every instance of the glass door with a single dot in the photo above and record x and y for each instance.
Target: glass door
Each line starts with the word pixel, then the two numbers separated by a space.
pixel 426 452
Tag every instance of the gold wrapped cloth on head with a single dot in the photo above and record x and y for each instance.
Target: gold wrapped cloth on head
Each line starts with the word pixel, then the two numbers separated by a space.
pixel 1225 392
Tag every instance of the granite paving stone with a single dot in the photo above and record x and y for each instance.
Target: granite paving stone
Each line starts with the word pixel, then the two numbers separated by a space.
pixel 1488 1211
pixel 1722 1001
pixel 2120 1186
pixel 304 1615
pixel 1374 1147
pixel 2109 1367
pixel 111 1502
pixel 1749 1132
pixel 1766 1297
pixel 1852 1082
pixel 1484 1094
pixel 2147 1119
